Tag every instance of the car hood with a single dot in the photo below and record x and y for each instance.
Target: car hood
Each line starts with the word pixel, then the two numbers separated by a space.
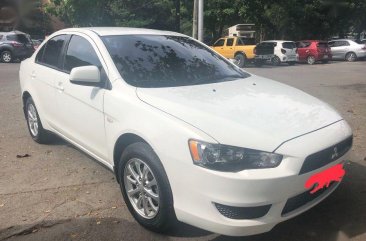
pixel 254 112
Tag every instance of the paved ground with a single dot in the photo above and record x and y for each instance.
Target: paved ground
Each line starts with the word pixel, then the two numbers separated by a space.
pixel 59 193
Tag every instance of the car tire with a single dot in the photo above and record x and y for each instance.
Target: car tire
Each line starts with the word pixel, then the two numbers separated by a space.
pixel 276 61
pixel 6 56
pixel 34 123
pixel 351 57
pixel 240 60
pixel 156 214
pixel 310 60
pixel 291 63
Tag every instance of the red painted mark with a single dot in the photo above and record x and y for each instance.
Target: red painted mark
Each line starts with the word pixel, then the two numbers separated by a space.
pixel 324 178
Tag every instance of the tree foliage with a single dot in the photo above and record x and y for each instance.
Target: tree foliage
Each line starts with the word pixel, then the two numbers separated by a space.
pixel 291 19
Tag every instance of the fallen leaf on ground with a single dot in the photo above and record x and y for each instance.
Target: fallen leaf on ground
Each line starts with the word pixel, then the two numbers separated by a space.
pixel 22 156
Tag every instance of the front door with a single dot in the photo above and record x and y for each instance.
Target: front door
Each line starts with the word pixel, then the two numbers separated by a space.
pixel 219 46
pixel 339 49
pixel 80 108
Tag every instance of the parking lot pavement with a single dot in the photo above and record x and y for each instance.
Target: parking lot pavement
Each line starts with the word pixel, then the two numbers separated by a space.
pixel 59 193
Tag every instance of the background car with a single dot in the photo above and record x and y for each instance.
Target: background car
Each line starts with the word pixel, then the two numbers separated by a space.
pixel 239 48
pixel 276 51
pixel 15 45
pixel 311 51
pixel 36 43
pixel 345 49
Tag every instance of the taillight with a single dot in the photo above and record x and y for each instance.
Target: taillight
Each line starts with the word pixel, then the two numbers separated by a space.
pixel 16 44
pixel 255 50
pixel 283 51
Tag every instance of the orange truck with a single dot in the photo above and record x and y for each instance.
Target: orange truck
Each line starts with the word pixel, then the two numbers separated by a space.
pixel 239 48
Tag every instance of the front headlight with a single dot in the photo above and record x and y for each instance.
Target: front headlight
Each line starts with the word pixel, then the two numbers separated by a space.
pixel 229 158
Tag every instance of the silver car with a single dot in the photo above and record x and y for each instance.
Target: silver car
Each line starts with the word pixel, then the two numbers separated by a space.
pixel 345 49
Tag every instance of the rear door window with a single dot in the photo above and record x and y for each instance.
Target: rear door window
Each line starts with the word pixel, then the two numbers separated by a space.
pixel 340 43
pixel 21 38
pixel 229 42
pixel 289 45
pixel 50 53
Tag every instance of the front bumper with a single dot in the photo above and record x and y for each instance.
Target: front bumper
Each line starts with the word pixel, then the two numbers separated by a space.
pixel 197 191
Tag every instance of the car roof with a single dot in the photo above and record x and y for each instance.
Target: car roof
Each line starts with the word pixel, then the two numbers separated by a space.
pixel 106 31
pixel 341 39
pixel 307 40
pixel 12 32
pixel 277 41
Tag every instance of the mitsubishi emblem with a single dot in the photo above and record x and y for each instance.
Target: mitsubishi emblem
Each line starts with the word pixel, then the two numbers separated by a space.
pixel 335 153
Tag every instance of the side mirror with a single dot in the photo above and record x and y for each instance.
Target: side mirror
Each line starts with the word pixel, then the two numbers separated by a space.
pixel 86 75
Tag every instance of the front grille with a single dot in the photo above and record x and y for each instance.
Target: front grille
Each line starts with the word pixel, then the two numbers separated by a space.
pixel 326 156
pixel 303 198
pixel 243 212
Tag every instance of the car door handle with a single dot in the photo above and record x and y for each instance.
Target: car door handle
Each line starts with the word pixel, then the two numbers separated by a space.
pixel 60 87
pixel 33 75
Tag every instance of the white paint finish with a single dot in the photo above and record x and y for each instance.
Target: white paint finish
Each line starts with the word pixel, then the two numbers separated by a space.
pixel 290 54
pixel 90 74
pixel 255 113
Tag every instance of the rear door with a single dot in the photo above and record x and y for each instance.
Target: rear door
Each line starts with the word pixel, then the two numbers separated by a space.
pixel 228 50
pixel 44 74
pixel 303 49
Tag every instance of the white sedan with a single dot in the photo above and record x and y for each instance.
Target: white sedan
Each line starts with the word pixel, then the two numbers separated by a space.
pixel 190 136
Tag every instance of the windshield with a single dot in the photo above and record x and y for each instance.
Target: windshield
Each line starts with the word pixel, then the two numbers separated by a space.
pixel 151 61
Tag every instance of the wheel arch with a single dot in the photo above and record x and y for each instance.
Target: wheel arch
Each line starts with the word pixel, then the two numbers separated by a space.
pixel 349 52
pixel 6 48
pixel 240 52
pixel 120 145
pixel 25 96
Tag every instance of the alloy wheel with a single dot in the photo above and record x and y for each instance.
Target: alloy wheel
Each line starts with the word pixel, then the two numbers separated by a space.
pixel 311 59
pixel 32 119
pixel 351 57
pixel 141 188
pixel 6 57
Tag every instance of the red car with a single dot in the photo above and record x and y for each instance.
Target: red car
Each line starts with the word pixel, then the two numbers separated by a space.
pixel 312 51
